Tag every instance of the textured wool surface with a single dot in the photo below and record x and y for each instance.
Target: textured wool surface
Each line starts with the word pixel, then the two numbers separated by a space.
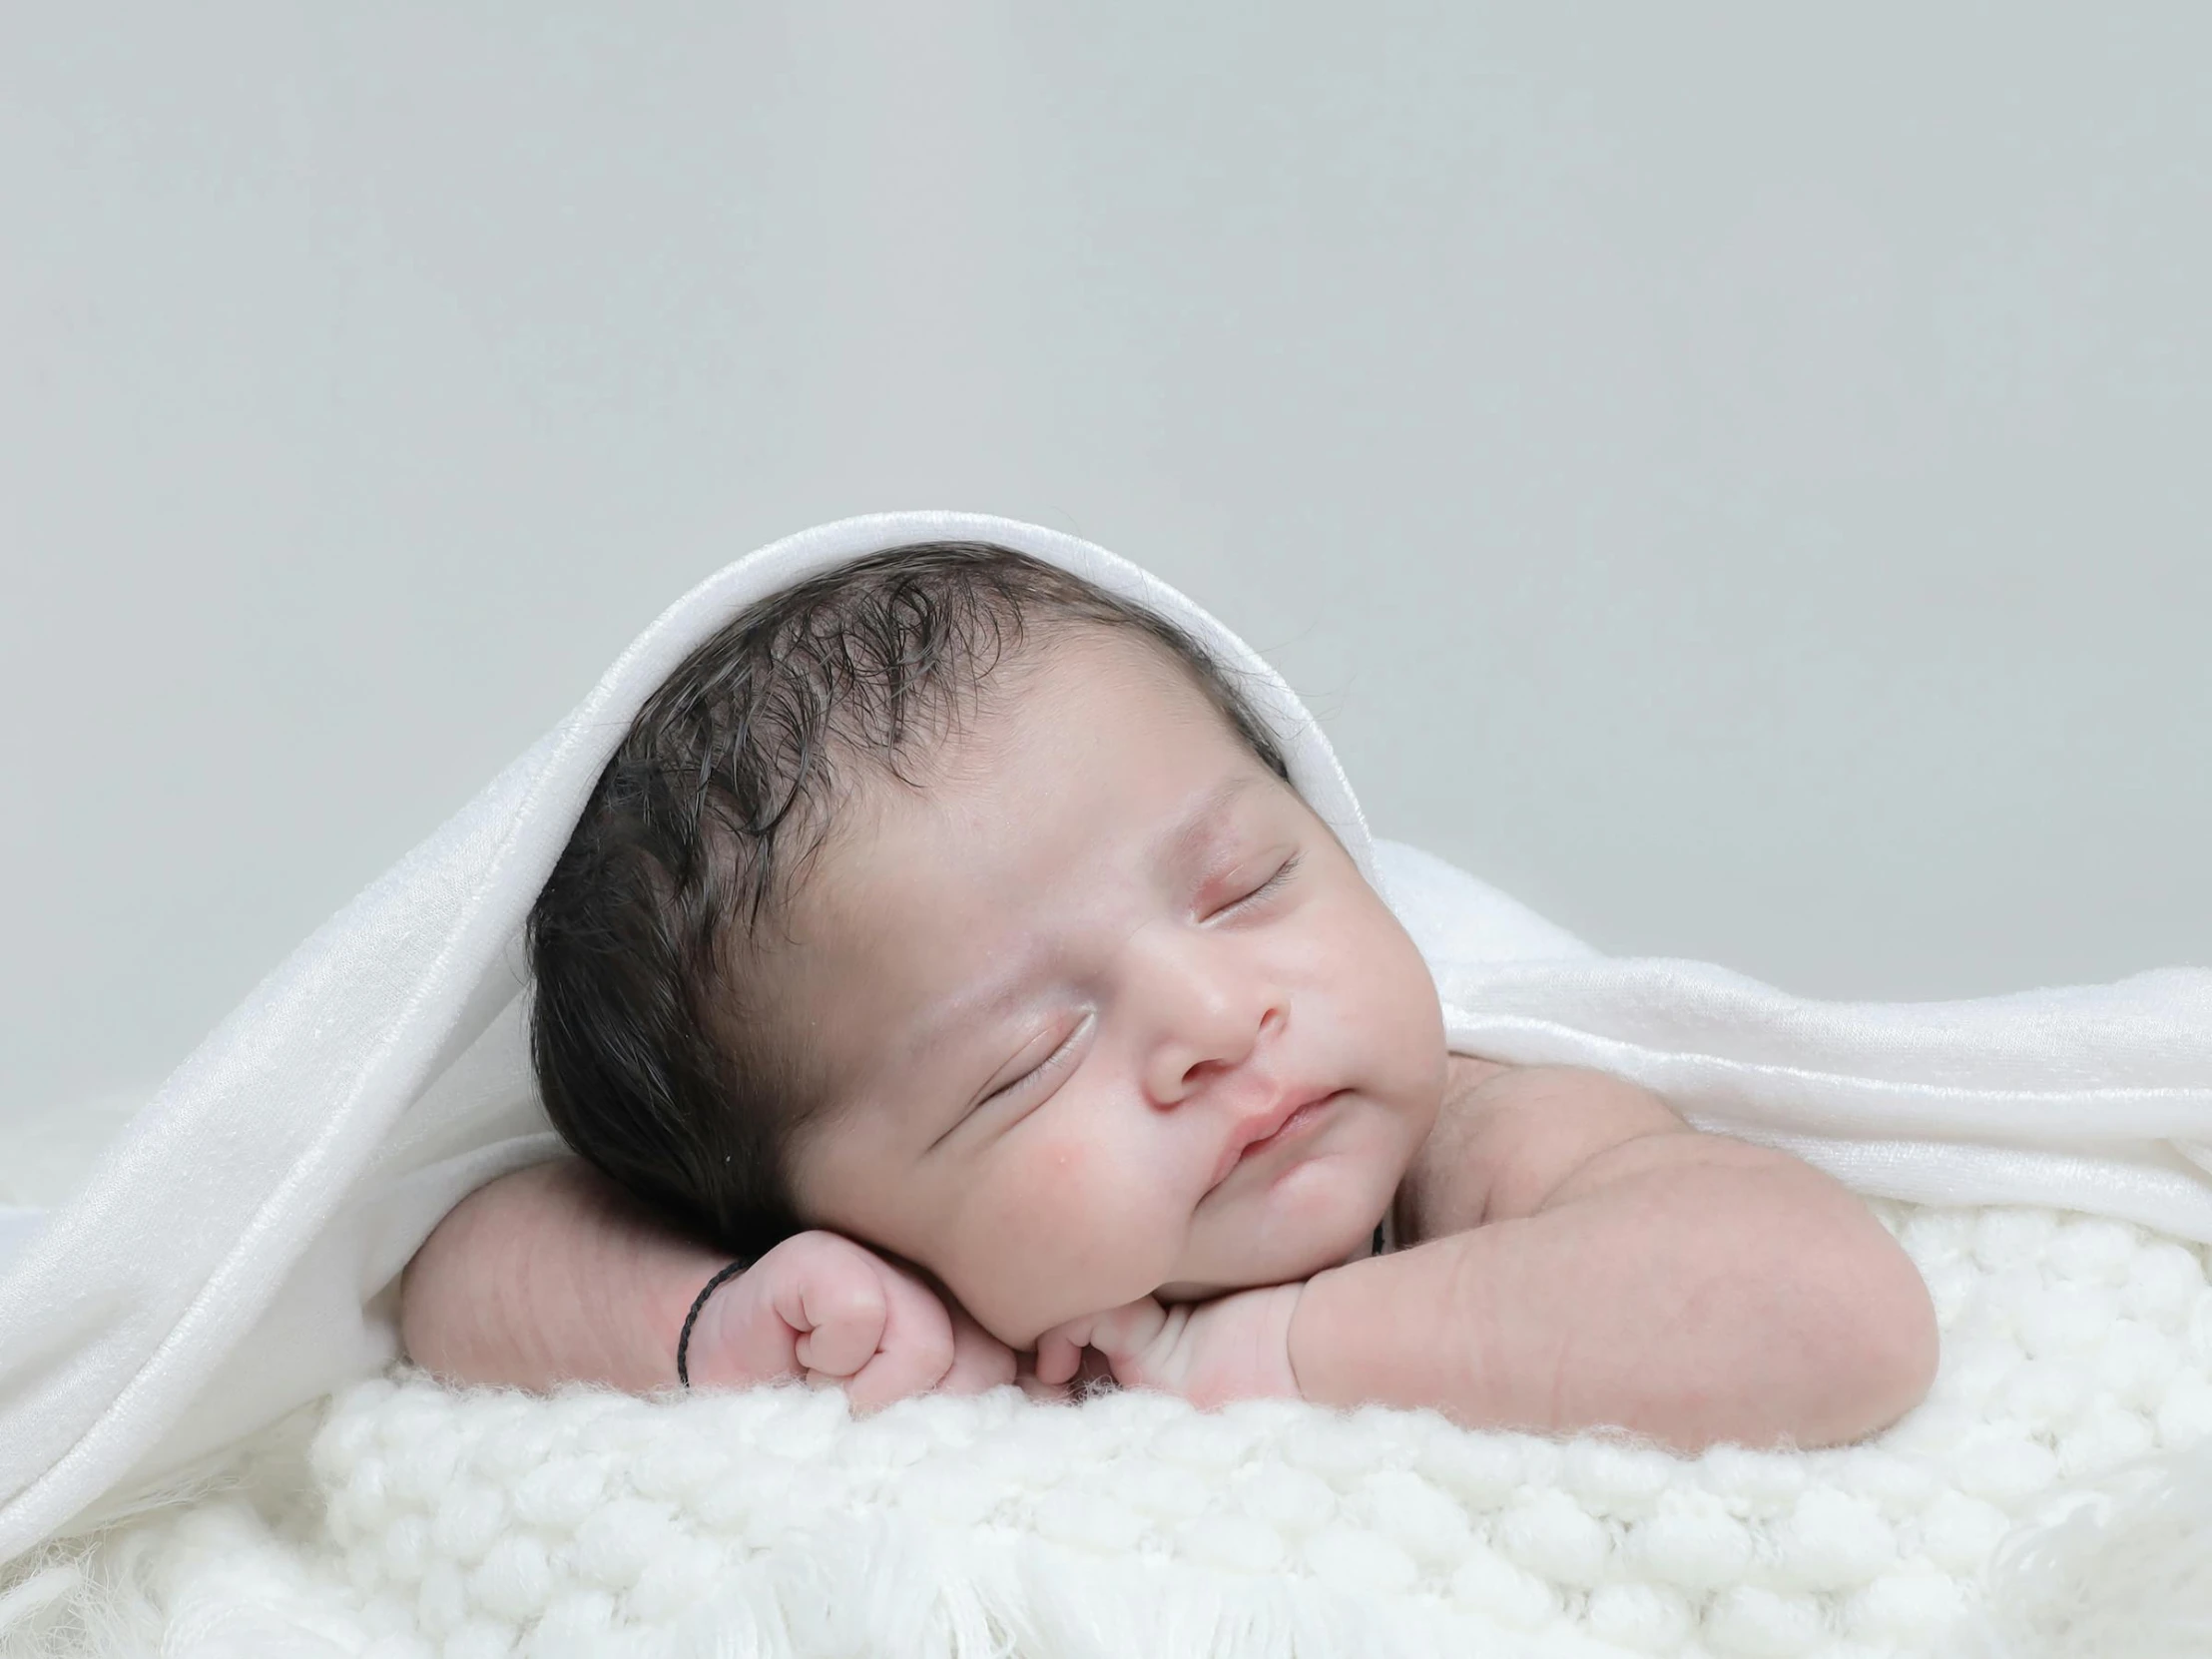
pixel 423 1520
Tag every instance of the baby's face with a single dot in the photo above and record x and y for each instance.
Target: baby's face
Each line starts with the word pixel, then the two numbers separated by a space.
pixel 1107 1010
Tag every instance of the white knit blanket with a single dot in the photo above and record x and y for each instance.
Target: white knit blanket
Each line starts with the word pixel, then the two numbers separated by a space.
pixel 475 1524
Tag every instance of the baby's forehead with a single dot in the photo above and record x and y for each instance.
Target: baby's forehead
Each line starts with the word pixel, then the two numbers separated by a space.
pixel 1101 668
pixel 1082 780
pixel 1056 704
pixel 1113 736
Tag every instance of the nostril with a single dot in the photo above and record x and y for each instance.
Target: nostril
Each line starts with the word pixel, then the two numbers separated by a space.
pixel 1201 1071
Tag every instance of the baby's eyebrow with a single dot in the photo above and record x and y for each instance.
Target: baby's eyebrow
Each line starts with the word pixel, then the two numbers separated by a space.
pixel 1182 844
pixel 972 1002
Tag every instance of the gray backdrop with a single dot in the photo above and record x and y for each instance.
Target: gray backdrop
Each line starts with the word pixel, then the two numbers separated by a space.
pixel 1736 480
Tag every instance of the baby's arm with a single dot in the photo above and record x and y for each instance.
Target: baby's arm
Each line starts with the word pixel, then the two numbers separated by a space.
pixel 1616 1266
pixel 1591 1261
pixel 551 1275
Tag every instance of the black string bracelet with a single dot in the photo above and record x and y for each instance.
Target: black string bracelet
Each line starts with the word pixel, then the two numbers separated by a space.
pixel 683 1341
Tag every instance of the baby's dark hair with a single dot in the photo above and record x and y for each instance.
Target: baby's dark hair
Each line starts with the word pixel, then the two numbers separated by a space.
pixel 654 1029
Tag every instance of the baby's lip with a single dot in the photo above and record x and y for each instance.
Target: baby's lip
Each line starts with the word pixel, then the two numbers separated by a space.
pixel 1261 1126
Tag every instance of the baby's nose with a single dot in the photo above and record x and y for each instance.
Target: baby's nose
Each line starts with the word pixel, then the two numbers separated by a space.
pixel 1212 1042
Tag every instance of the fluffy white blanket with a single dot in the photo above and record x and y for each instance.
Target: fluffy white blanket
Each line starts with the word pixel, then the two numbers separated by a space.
pixel 233 1255
pixel 1138 1525
pixel 424 1520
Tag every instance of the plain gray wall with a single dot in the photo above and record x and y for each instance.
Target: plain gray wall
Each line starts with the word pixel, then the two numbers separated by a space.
pixel 1733 478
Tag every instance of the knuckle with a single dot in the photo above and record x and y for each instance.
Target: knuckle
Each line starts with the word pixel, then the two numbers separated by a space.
pixel 803 1246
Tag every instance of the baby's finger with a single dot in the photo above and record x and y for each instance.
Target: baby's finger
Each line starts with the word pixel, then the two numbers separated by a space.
pixel 1124 1334
pixel 739 1338
pixel 916 1350
pixel 1036 1388
pixel 841 1317
pixel 1060 1351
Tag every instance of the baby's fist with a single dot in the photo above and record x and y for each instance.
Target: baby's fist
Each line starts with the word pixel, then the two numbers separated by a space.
pixel 1237 1347
pixel 821 1307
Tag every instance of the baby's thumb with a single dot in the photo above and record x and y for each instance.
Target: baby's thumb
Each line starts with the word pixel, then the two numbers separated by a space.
pixel 1060 1351
pixel 1121 1334
pixel 736 1341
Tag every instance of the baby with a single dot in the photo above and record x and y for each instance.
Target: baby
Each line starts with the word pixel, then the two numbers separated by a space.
pixel 946 942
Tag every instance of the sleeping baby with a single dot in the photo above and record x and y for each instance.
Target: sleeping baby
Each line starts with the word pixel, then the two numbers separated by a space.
pixel 945 986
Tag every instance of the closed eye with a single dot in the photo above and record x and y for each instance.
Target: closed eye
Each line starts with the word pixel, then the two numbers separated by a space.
pixel 1048 1067
pixel 1031 1084
pixel 1272 885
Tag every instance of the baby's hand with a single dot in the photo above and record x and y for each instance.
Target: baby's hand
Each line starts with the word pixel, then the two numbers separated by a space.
pixel 821 1307
pixel 1236 1347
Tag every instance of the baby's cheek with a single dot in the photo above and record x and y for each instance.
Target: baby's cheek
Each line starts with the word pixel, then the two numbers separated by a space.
pixel 1050 1195
pixel 1060 1233
pixel 1011 1232
pixel 1061 1158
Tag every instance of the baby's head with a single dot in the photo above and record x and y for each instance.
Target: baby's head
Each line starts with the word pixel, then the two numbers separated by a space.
pixel 950 902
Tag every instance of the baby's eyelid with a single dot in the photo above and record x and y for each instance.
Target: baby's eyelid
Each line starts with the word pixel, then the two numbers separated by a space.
pixel 1059 1052
pixel 1252 895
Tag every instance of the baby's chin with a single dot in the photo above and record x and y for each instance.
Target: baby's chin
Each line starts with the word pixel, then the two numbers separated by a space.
pixel 1328 1242
pixel 1322 1215
pixel 1319 1215
pixel 1020 1326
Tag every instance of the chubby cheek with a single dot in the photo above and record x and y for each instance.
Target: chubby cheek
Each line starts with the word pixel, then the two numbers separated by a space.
pixel 1059 1227
pixel 1392 1000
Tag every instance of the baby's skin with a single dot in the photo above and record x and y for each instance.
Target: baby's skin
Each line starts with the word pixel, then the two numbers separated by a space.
pixel 1126 1063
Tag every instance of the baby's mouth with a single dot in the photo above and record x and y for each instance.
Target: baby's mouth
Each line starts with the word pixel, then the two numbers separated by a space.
pixel 1255 1137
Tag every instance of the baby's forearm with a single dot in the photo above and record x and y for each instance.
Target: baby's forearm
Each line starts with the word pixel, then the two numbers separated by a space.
pixel 1694 1288
pixel 551 1276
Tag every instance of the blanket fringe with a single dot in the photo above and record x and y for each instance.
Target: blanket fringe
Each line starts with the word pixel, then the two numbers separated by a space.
pixel 882 1584
pixel 2128 1570
pixel 214 1581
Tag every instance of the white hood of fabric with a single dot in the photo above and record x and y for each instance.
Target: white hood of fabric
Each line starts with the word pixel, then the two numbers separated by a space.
pixel 235 1253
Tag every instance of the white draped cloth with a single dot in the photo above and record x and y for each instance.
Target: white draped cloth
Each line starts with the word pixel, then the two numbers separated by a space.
pixel 236 1252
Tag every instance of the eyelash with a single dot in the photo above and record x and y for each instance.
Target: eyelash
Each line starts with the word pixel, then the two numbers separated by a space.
pixel 1043 1066
pixel 1281 876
